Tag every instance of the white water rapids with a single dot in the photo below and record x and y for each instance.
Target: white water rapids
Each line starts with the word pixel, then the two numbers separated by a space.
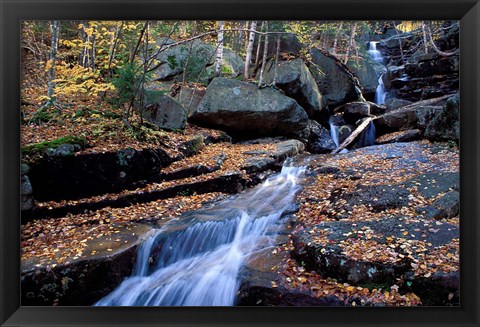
pixel 199 265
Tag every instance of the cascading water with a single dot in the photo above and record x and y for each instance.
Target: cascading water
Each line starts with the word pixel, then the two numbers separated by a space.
pixel 199 265
pixel 334 131
pixel 374 53
pixel 380 92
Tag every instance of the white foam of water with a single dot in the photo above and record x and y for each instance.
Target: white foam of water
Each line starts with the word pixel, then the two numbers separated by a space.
pixel 199 266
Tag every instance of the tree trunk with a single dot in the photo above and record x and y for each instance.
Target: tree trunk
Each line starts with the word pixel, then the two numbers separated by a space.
pixel 425 43
pixel 399 42
pixel 248 55
pixel 336 37
pixel 218 62
pixel 114 45
pixel 277 54
pixel 352 136
pixel 139 41
pixel 240 37
pixel 436 49
pixel 264 59
pixel 53 56
pixel 257 56
pixel 353 26
pixel 92 53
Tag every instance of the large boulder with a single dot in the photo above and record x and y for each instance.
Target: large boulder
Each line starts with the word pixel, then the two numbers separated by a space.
pixel 316 137
pixel 335 81
pixel 295 79
pixel 353 111
pixel 166 113
pixel 243 109
pixel 445 125
pixel 364 70
pixel 195 60
pixel 289 43
pixel 190 97
pixel 417 115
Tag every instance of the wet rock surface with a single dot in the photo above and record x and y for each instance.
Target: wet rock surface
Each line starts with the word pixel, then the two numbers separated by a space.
pixel 82 280
pixel 398 230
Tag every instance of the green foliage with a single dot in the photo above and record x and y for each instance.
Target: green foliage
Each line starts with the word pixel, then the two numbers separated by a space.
pixel 146 133
pixel 126 82
pixel 45 114
pixel 33 152
pixel 227 70
pixel 172 62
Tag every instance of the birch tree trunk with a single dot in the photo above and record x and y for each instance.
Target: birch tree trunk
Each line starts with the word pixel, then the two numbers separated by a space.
pixel 425 43
pixel 218 62
pixel 353 26
pixel 335 41
pixel 248 55
pixel 53 56
pixel 257 56
pixel 264 59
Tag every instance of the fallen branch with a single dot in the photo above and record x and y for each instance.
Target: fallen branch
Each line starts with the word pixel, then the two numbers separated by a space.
pixel 352 136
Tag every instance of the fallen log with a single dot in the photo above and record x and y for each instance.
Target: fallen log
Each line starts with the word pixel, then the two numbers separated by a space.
pixel 352 136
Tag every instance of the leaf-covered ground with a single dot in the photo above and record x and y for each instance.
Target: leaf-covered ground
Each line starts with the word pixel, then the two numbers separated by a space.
pixel 319 204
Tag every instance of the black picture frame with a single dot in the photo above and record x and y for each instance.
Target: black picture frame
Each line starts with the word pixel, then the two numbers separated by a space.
pixel 13 12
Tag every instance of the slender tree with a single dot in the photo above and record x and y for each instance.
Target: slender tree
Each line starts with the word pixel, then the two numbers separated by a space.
pixel 277 54
pixel 264 59
pixel 259 42
pixel 53 57
pixel 218 61
pixel 335 41
pixel 353 26
pixel 425 42
pixel 248 56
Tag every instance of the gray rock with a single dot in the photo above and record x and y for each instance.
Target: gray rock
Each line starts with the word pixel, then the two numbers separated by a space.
pixel 401 136
pixel 449 204
pixel 335 81
pixel 316 137
pixel 243 109
pixel 294 78
pixel 26 202
pixel 445 125
pixel 200 57
pixel 166 113
pixel 364 70
pixel 394 103
pixel 64 150
pixel 329 259
pixel 414 116
pixel 353 111
pixel 189 98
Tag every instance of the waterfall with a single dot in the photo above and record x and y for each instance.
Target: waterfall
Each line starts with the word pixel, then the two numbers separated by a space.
pixel 380 92
pixel 367 137
pixel 334 131
pixel 374 53
pixel 199 265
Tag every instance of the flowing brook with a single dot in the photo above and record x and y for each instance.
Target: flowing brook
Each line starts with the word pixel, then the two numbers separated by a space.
pixel 195 261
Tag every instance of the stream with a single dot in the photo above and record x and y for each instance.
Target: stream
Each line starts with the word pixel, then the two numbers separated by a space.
pixel 195 260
